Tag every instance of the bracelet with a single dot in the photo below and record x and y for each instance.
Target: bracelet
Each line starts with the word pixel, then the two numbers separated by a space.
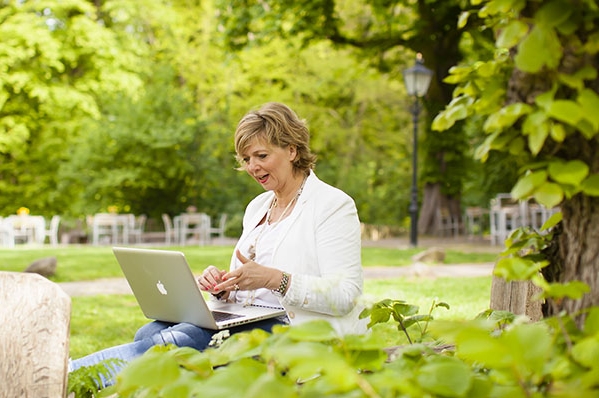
pixel 283 286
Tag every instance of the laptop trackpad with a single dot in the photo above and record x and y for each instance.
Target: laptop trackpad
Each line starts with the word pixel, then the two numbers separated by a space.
pixel 225 316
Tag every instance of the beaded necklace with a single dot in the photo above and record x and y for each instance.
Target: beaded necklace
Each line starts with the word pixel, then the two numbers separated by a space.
pixel 252 250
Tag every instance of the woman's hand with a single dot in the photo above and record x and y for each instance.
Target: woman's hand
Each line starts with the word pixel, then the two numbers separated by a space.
pixel 250 276
pixel 210 278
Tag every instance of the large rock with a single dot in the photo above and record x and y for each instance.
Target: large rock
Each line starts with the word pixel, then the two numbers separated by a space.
pixel 44 266
pixel 433 255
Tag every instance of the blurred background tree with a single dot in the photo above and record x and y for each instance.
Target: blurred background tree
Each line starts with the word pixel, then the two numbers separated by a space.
pixel 111 103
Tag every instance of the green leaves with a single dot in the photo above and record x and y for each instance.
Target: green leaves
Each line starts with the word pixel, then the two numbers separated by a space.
pixel 550 185
pixel 570 173
pixel 445 376
pixel 541 48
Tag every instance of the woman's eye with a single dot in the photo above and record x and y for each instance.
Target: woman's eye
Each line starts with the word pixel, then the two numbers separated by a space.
pixel 262 156
pixel 245 160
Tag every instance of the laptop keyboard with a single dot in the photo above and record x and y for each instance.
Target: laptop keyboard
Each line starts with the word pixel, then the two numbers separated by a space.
pixel 224 316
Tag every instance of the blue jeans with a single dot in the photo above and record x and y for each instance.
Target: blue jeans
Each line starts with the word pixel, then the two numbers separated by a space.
pixel 161 333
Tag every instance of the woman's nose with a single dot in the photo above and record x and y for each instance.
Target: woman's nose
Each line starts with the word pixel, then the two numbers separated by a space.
pixel 251 165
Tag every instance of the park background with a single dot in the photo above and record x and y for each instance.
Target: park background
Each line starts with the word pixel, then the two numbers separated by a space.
pixel 130 107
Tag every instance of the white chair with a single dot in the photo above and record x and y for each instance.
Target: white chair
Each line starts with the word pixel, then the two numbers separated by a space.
pixel 52 232
pixel 104 225
pixel 447 223
pixel 505 216
pixel 219 231
pixel 475 221
pixel 193 227
pixel 7 233
pixel 170 233
pixel 137 227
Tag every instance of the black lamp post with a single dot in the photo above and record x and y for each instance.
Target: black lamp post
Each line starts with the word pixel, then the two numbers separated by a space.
pixel 417 79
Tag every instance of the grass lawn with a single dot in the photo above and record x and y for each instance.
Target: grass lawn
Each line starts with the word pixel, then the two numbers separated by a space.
pixel 104 321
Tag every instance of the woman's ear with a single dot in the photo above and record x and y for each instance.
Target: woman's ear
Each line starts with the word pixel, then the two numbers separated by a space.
pixel 292 152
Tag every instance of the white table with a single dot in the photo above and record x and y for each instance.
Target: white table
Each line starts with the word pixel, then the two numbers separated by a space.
pixel 195 224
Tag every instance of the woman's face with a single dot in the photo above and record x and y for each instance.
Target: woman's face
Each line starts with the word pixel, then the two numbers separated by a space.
pixel 270 165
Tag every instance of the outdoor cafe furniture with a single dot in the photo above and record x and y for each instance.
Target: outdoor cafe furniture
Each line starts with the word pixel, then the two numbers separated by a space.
pixel 218 230
pixel 505 216
pixel 508 214
pixel 195 226
pixel 114 227
pixel 26 228
pixel 475 220
pixel 7 234
pixel 170 233
pixel 52 232
pixel 137 227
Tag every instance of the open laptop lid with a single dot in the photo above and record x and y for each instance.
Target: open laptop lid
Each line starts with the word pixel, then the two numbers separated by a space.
pixel 167 290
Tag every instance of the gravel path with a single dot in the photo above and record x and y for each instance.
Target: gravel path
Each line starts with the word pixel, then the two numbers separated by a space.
pixel 418 270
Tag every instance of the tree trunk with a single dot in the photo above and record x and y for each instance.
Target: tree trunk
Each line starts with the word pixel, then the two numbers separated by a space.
pixel 574 256
pixel 433 200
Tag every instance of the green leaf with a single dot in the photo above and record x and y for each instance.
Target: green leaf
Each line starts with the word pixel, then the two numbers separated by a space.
pixel 445 376
pixel 455 111
pixel 515 268
pixel 540 48
pixel 506 117
pixel 572 172
pixel 552 221
pixel 590 186
pixel 527 184
pixel 553 13
pixel 566 111
pixel 557 132
pixel 516 147
pixel 500 7
pixel 576 80
pixel 153 369
pixel 530 345
pixel 481 347
pixel 244 372
pixel 512 34
pixel 537 137
pixel 549 195
pixel 318 330
pixel 463 19
pixel 589 102
pixel 404 309
pixel 591 324
pixel 574 290
pixel 592 44
pixel 545 99
pixel 536 127
pixel 586 351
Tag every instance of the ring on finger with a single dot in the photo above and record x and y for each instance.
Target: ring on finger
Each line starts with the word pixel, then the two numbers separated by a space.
pixel 236 287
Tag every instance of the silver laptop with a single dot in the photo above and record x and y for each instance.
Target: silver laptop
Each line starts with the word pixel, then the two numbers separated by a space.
pixel 167 290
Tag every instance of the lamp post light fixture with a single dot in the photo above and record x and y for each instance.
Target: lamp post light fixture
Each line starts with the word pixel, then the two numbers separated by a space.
pixel 417 80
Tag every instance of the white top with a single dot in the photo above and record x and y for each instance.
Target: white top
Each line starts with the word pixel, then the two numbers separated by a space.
pixel 267 235
pixel 319 245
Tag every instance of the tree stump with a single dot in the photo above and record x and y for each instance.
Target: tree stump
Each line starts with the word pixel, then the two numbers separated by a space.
pixel 516 297
pixel 34 336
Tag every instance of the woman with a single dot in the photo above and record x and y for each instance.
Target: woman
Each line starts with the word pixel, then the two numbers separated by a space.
pixel 300 246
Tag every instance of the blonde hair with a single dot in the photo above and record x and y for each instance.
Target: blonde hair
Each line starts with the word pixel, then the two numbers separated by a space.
pixel 276 124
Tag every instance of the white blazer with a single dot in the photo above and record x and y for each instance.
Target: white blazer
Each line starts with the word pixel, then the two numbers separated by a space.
pixel 320 247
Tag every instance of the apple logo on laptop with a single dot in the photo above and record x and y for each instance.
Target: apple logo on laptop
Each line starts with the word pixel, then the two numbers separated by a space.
pixel 161 288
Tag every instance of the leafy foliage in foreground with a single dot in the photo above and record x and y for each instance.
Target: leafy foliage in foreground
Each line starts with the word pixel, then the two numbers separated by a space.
pixel 84 381
pixel 495 355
